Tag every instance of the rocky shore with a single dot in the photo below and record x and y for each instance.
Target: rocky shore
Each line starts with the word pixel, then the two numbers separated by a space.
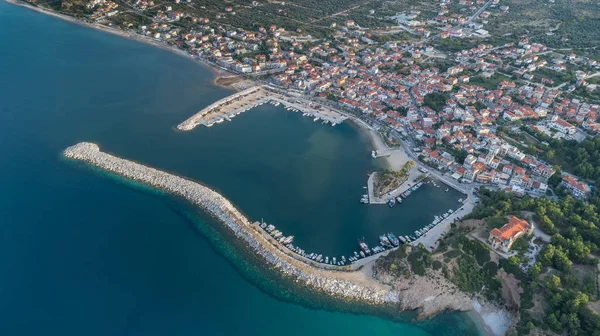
pixel 349 285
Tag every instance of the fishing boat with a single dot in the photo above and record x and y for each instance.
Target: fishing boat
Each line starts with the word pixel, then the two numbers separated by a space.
pixel 364 246
pixel 384 240
pixel 393 239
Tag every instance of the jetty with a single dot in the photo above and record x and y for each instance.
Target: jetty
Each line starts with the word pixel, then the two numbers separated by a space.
pixel 229 107
pixel 340 281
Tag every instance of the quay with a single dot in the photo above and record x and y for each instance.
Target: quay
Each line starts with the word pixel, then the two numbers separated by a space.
pixel 231 106
pixel 341 281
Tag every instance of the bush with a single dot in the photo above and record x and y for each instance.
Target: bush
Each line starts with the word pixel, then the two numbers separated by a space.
pixel 477 250
pixel 452 254
pixel 419 260
pixel 497 221
pixel 436 265
pixel 490 268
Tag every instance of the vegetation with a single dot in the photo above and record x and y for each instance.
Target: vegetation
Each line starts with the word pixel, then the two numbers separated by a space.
pixel 401 263
pixel 436 101
pixel 390 180
pixel 576 235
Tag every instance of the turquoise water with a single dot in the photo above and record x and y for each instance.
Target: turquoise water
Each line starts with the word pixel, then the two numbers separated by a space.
pixel 85 254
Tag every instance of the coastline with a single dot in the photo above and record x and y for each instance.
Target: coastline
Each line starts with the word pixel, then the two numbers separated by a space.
pixel 125 34
pixel 356 286
pixel 139 38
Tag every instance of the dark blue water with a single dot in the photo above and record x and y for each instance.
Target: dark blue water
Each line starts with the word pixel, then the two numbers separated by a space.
pixel 82 253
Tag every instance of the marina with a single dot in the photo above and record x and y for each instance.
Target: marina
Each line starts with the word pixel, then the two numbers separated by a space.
pixel 231 106
pixel 223 209
pixel 306 268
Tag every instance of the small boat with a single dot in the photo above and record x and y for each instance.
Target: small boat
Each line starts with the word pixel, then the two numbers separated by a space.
pixel 393 239
pixel 391 203
pixel 385 241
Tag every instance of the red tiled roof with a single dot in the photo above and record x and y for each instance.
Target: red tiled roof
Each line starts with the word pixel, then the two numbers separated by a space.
pixel 514 226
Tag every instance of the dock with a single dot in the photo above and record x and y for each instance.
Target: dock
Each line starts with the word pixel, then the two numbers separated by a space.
pixel 229 107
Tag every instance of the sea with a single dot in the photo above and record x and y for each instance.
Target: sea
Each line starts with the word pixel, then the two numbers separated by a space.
pixel 84 252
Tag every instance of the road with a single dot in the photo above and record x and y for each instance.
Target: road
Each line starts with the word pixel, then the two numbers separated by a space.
pixel 476 15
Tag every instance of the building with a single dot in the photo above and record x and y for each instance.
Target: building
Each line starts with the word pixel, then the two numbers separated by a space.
pixel 578 189
pixel 504 237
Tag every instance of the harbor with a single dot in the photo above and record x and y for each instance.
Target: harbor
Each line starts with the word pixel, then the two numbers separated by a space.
pixel 229 107
pixel 332 279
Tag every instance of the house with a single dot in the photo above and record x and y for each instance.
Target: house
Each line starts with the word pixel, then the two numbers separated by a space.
pixel 504 237
pixel 578 189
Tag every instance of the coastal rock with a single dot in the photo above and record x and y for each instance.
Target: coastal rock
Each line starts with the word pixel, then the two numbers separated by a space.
pixel 431 294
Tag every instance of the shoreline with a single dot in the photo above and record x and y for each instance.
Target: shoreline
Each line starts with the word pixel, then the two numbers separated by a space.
pixel 149 41
pixel 355 286
pixel 217 71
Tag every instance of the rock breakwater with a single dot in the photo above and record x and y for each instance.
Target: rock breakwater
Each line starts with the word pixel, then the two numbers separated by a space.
pixel 349 285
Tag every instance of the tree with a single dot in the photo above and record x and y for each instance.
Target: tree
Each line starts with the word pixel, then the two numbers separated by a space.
pixel 561 261
pixel 535 270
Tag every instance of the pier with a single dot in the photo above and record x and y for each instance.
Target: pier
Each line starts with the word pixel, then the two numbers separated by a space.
pixel 231 106
pixel 335 280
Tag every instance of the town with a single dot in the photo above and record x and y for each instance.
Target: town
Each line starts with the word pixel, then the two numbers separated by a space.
pixel 455 111
pixel 479 95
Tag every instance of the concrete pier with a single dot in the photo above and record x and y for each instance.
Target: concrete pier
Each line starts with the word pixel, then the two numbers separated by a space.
pixel 230 106
pixel 350 285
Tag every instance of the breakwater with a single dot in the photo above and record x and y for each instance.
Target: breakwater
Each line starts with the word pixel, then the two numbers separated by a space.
pixel 350 285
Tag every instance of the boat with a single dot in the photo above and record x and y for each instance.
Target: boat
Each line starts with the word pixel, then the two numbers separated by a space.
pixel 447 189
pixel 362 254
pixel 402 239
pixel 334 260
pixel 391 203
pixel 392 238
pixel 333 124
pixel 355 254
pixel 364 246
pixel 327 260
pixel 270 228
pixel 316 118
pixel 399 199
pixel 373 154
pixel 383 239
